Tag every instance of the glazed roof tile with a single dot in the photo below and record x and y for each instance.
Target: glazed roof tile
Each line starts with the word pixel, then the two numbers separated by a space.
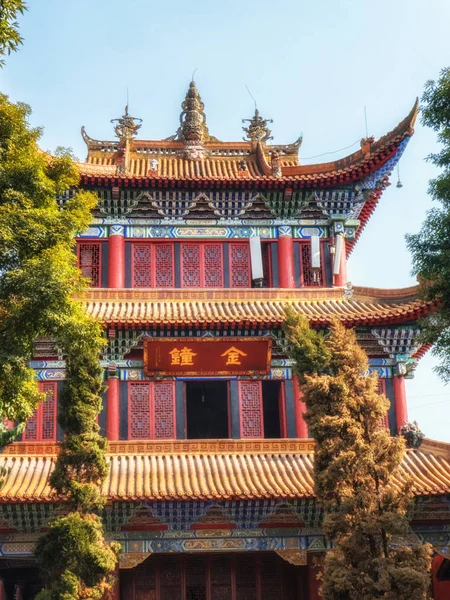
pixel 206 470
pixel 367 306
pixel 222 162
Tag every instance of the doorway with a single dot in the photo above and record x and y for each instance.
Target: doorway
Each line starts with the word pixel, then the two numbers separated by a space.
pixel 207 410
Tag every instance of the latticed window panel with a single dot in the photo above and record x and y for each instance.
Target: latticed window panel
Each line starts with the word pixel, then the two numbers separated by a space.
pixel 48 408
pixel 145 582
pixel 240 265
pixel 164 410
pixel 310 277
pixel 170 579
pixel 139 411
pixel 220 577
pixel 246 578
pixel 89 261
pixel 251 409
pixel 164 265
pixel 31 433
pixel 142 265
pixel 195 575
pixel 270 575
pixel 190 265
pixel 153 265
pixel 213 265
pixel 42 425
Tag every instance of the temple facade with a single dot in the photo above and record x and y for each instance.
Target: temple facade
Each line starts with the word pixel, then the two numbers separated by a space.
pixel 195 249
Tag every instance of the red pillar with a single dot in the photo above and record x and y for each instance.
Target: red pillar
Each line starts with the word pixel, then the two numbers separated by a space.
pixel 401 410
pixel 115 592
pixel 286 276
pixel 301 427
pixel 112 409
pixel 441 589
pixel 116 259
pixel 341 279
pixel 2 590
pixel 315 566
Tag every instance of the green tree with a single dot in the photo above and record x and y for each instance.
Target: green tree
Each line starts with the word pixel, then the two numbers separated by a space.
pixel 39 280
pixel 39 286
pixel 354 465
pixel 10 39
pixel 430 247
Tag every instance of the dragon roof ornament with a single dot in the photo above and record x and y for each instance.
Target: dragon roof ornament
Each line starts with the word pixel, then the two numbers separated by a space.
pixel 257 131
pixel 126 127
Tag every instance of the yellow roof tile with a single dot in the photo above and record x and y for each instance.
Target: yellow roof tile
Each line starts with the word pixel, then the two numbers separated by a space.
pixel 158 306
pixel 206 469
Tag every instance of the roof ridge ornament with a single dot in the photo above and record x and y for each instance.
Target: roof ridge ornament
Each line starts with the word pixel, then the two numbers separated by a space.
pixel 126 126
pixel 257 131
pixel 193 126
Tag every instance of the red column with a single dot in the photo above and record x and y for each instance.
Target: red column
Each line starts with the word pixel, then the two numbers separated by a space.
pixel 116 258
pixel 300 408
pixel 2 590
pixel 401 410
pixel 441 589
pixel 341 279
pixel 315 566
pixel 112 409
pixel 115 592
pixel 286 276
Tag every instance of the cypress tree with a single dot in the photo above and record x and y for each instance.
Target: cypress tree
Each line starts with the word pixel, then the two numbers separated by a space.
pixel 355 464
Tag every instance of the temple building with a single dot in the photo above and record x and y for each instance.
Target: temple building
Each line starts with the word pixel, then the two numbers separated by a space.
pixel 195 248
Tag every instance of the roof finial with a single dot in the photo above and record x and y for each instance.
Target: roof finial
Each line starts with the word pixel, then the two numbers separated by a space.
pixel 192 118
pixel 127 126
pixel 257 131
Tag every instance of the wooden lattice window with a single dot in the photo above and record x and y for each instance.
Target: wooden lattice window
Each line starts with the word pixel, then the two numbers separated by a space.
pixel 251 409
pixel 41 426
pixel 170 576
pixel 246 578
pixel 310 277
pixel 139 411
pixel 214 576
pixel 164 410
pixel 153 265
pixel 239 265
pixel 221 576
pixel 89 261
pixel 151 410
pixel 202 265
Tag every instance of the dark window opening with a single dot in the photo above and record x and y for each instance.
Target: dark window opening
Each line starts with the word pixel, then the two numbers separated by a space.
pixel 271 393
pixel 267 264
pixel 207 414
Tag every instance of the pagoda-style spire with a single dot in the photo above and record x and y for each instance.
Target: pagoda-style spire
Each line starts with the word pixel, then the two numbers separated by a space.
pixel 257 131
pixel 126 126
pixel 192 118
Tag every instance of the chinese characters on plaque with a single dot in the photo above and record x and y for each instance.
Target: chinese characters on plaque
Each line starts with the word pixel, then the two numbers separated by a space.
pixel 207 356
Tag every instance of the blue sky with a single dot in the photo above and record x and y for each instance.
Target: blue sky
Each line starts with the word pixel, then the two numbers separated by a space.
pixel 312 67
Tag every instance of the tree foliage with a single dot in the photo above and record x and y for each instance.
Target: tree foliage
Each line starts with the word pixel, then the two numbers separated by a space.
pixel 10 38
pixel 430 247
pixel 38 273
pixel 354 464
pixel 39 282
